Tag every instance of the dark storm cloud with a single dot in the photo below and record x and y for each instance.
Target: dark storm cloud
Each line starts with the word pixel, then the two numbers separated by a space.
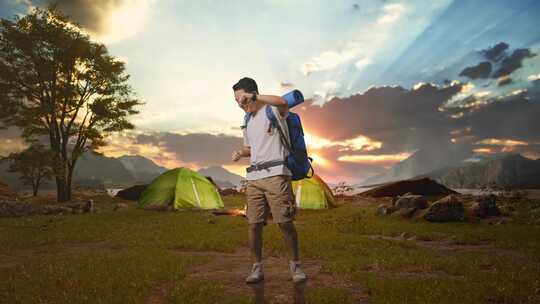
pixel 513 117
pixel 513 62
pixel 201 148
pixel 496 52
pixel 399 118
pixel 89 13
pixel 481 70
pixel 499 60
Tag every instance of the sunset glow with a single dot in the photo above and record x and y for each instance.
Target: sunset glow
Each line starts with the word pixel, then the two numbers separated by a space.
pixel 375 159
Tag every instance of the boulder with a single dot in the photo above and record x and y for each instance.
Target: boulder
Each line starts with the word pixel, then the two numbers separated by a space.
pixel 447 209
pixel 412 201
pixel 383 209
pixel 485 206
pixel 132 193
pixel 404 212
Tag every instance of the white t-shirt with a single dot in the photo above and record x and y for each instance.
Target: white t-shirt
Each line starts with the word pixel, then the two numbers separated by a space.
pixel 265 146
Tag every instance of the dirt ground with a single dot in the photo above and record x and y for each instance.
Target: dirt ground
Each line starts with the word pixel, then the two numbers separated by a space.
pixel 231 269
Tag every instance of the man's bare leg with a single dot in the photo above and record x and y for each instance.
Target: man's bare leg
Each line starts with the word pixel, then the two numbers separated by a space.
pixel 255 241
pixel 291 239
pixel 255 244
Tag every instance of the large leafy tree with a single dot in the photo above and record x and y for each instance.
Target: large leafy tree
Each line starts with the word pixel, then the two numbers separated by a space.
pixel 57 83
pixel 35 164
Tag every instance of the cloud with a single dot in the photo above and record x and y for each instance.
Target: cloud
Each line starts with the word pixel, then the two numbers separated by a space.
pixel 513 62
pixel 505 80
pixel 510 117
pixel 360 48
pixel 379 159
pixel 401 119
pixel 202 149
pixel 362 63
pixel 392 12
pixel 328 91
pixel 330 59
pixel 533 77
pixel 106 20
pixel 286 85
pixel 496 52
pixel 481 70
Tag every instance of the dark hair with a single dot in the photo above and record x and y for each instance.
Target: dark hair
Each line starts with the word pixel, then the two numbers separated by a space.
pixel 247 84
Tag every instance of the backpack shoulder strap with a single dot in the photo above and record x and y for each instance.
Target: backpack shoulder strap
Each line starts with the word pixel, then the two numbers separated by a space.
pixel 247 117
pixel 274 123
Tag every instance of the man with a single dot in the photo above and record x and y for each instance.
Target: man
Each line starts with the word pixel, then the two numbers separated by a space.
pixel 268 179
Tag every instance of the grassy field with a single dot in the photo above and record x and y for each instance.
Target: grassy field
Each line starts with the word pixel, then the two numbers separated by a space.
pixel 137 256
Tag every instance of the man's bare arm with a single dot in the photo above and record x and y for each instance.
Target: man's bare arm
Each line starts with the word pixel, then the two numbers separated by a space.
pixel 244 152
pixel 277 101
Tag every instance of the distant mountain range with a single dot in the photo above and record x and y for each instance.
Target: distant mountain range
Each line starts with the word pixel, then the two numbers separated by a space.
pixel 93 170
pixel 222 177
pixel 512 171
pixel 422 162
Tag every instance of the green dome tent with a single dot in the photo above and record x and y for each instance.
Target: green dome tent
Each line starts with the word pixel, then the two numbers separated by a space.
pixel 312 193
pixel 181 188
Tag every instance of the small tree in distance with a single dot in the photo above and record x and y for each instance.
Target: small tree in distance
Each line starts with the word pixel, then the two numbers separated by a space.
pixel 33 164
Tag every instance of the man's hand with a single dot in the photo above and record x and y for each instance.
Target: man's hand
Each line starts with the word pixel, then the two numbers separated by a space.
pixel 246 98
pixel 236 155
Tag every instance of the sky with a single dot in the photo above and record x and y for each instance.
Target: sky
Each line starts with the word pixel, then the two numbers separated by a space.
pixel 383 79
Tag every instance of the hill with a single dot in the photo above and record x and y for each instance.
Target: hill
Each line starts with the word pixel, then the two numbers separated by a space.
pixel 222 177
pixel 94 170
pixel 422 162
pixel 512 171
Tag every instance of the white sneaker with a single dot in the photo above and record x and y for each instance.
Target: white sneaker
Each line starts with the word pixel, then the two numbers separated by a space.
pixel 256 274
pixel 296 272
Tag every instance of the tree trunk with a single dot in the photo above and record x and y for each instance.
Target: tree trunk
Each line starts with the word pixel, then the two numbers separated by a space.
pixel 35 186
pixel 62 195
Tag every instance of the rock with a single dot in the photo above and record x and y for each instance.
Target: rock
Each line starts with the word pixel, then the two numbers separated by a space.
pixel 485 206
pixel 132 193
pixel 89 206
pixel 17 209
pixel 404 212
pixel 405 235
pixel 50 210
pixel 120 206
pixel 412 201
pixel 447 209
pixel 383 209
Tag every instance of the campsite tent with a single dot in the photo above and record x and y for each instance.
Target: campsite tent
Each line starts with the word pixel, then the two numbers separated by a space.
pixel 181 188
pixel 312 193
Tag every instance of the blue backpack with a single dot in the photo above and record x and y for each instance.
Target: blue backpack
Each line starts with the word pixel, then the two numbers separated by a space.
pixel 297 161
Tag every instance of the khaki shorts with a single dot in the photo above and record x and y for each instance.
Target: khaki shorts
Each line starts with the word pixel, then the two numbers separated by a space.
pixel 273 194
